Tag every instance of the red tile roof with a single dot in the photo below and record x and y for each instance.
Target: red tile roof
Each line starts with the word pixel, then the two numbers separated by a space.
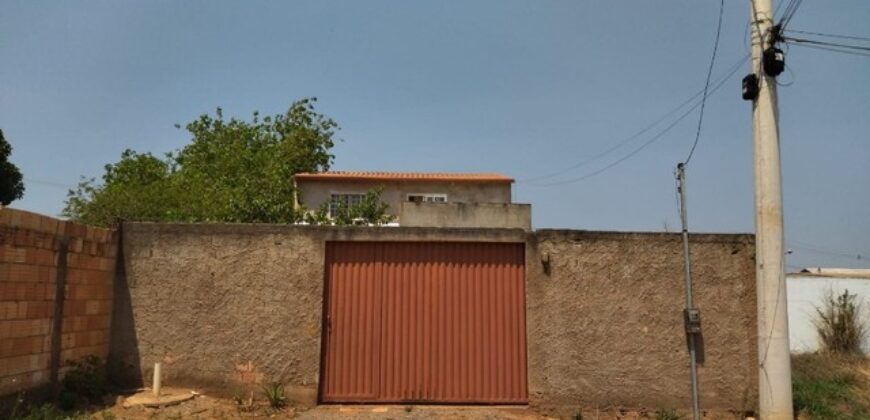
pixel 403 176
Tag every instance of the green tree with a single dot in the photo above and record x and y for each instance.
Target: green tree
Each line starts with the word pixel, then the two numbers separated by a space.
pixel 232 171
pixel 138 187
pixel 11 182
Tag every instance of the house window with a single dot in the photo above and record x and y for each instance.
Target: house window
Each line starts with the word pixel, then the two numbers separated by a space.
pixel 427 198
pixel 344 200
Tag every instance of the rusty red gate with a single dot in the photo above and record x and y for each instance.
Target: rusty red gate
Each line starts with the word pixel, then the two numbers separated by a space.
pixel 439 322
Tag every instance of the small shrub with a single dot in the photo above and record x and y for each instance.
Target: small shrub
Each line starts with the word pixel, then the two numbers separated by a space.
pixel 667 414
pixel 85 381
pixel 839 324
pixel 67 400
pixel 579 415
pixel 275 394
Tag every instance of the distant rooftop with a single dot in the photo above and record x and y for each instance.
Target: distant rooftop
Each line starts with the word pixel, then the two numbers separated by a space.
pixel 859 273
pixel 404 176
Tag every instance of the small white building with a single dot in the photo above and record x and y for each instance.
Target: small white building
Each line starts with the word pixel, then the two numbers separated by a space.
pixel 808 289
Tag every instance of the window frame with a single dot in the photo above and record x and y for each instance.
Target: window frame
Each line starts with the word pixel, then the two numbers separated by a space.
pixel 427 198
pixel 333 208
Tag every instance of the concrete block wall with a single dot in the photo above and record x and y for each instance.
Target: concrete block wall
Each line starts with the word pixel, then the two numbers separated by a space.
pixel 33 258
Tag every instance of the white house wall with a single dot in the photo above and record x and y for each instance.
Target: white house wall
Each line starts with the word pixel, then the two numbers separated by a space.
pixel 805 293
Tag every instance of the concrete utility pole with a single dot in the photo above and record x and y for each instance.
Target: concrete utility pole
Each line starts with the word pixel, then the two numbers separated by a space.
pixel 774 364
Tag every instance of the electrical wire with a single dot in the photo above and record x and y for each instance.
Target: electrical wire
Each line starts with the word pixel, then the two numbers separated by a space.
pixel 857 256
pixel 788 13
pixel 833 49
pixel 614 147
pixel 857 38
pixel 825 43
pixel 736 66
pixel 815 246
pixel 790 82
pixel 746 45
pixel 707 83
pixel 47 183
pixel 655 138
pixel 761 35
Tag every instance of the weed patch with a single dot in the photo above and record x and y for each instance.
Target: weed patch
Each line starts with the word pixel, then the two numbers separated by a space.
pixel 662 414
pixel 274 393
pixel 840 325
pixel 827 386
pixel 85 382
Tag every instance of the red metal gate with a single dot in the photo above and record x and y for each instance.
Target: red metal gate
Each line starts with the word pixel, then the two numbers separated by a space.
pixel 425 322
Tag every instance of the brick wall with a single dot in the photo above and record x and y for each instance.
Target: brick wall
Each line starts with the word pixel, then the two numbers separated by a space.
pixel 36 252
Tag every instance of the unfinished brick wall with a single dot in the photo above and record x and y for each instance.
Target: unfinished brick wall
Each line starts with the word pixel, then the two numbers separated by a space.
pixel 36 253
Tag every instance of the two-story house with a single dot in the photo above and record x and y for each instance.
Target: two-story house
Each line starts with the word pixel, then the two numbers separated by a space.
pixel 421 199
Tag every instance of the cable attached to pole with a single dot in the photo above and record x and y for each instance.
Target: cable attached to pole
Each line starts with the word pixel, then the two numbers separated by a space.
pixel 707 84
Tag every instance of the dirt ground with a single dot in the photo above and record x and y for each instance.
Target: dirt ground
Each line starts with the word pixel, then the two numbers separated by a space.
pixel 205 407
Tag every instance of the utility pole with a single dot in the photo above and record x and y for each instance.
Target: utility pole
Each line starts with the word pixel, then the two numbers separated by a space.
pixel 774 364
pixel 691 315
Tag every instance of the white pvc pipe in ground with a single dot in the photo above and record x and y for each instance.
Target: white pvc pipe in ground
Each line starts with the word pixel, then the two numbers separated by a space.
pixel 156 387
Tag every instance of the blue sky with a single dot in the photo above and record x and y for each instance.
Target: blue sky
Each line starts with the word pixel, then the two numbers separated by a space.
pixel 521 87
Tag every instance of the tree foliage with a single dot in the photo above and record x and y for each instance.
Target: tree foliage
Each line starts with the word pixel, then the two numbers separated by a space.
pixel 232 171
pixel 11 181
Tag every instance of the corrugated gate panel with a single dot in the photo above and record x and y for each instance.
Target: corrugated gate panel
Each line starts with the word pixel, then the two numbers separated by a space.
pixel 449 324
pixel 353 322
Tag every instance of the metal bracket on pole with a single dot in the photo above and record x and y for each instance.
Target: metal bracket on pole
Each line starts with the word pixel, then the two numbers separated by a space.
pixel 692 318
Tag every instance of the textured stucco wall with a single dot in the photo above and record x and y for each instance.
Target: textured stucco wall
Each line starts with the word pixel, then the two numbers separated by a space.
pixel 220 307
pixel 605 325
pixel 229 307
pixel 225 306
pixel 314 193
pixel 482 215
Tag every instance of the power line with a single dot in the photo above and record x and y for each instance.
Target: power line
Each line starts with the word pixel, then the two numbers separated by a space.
pixel 731 70
pixel 789 12
pixel 857 257
pixel 658 136
pixel 825 43
pixel 833 49
pixel 823 251
pixel 857 38
pixel 48 183
pixel 707 83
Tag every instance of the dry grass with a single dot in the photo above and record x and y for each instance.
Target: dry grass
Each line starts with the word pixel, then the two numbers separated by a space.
pixel 840 324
